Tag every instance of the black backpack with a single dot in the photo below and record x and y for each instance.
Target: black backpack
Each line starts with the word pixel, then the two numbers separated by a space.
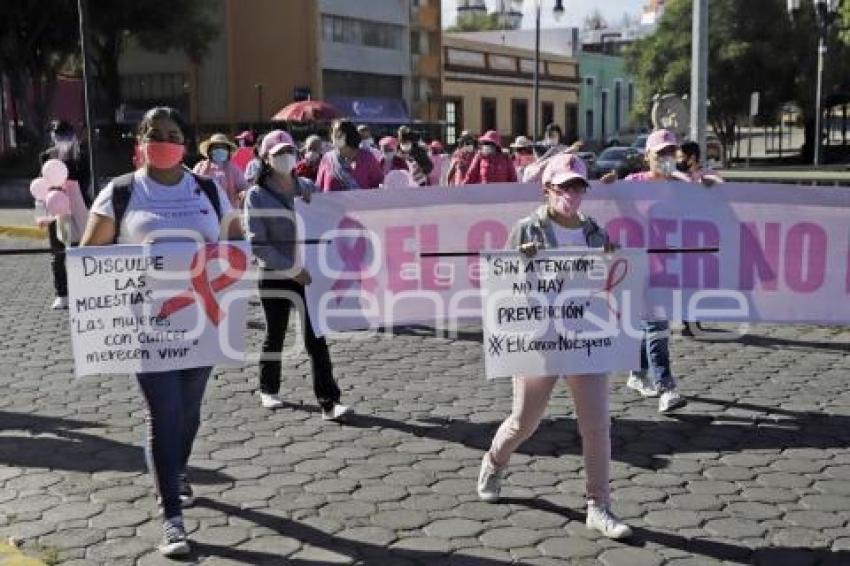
pixel 122 187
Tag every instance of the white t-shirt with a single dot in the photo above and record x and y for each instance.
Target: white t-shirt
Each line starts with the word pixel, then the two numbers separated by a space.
pixel 168 209
pixel 569 237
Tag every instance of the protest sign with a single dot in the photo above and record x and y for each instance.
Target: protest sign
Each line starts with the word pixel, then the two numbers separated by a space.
pixel 562 312
pixel 160 307
pixel 783 250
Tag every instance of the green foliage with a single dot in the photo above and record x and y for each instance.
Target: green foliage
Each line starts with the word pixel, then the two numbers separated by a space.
pixel 477 22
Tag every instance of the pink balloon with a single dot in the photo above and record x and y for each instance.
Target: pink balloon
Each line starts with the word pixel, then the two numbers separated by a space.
pixel 55 172
pixel 57 203
pixel 39 188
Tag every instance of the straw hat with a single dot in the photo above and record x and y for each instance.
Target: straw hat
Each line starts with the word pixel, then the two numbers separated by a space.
pixel 216 139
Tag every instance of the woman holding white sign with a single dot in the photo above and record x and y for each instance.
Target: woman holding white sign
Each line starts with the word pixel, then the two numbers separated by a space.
pixel 164 200
pixel 560 224
pixel 270 222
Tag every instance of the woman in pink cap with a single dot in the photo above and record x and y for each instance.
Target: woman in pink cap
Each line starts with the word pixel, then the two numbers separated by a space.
pixel 559 223
pixel 348 167
pixel 655 378
pixel 461 159
pixel 491 164
pixel 391 160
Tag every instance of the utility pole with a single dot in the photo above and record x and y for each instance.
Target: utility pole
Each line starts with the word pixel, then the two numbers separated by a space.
pixel 699 74
pixel 536 112
pixel 94 188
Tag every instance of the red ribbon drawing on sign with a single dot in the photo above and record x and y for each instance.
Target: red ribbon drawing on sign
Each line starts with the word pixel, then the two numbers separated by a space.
pixel 203 290
pixel 616 275
pixel 353 257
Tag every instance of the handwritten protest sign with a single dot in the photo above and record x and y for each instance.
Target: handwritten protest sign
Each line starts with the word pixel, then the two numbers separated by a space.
pixel 161 307
pixel 562 312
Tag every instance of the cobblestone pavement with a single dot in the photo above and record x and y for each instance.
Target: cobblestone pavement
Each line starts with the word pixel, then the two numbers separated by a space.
pixel 756 469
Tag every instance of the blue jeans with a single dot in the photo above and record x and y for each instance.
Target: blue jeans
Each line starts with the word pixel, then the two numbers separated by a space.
pixel 173 401
pixel 655 354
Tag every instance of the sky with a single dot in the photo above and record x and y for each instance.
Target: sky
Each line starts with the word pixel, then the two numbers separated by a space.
pixel 575 11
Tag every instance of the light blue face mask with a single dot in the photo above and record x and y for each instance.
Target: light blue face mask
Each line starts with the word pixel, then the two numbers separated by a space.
pixel 219 155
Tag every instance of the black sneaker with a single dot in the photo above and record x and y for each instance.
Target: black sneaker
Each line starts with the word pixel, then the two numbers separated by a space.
pixel 174 541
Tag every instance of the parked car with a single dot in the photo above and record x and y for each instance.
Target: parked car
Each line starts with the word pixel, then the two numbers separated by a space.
pixel 640 143
pixel 589 159
pixel 624 160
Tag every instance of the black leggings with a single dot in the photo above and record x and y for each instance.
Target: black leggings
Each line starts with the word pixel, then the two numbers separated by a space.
pixel 277 297
pixel 57 262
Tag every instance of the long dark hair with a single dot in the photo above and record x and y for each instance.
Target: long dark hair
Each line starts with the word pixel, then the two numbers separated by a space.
pixel 349 130
pixel 158 113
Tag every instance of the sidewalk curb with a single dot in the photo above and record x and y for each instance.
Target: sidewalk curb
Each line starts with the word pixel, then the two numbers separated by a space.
pixel 30 232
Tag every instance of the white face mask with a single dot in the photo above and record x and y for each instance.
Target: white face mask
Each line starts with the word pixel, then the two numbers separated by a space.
pixel 554 140
pixel 219 155
pixel 667 165
pixel 488 149
pixel 406 147
pixel 389 154
pixel 283 163
pixel 468 148
pixel 339 143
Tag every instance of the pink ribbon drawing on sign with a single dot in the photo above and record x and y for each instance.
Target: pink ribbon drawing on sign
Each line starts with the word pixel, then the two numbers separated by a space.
pixel 616 275
pixel 203 289
pixel 354 258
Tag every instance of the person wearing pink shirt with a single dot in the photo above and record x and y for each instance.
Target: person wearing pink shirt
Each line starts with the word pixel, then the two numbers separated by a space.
pixel 348 167
pixel 491 164
pixel 218 166
pixel 559 223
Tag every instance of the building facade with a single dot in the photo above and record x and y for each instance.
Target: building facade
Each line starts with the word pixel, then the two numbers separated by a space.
pixel 607 98
pixel 381 56
pixel 487 86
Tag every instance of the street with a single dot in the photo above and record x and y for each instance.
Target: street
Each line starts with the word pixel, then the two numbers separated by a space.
pixel 756 469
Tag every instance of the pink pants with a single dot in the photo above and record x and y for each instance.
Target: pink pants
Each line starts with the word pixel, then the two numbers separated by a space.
pixel 590 395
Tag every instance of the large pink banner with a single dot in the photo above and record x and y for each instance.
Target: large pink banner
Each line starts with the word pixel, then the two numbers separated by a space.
pixel 784 251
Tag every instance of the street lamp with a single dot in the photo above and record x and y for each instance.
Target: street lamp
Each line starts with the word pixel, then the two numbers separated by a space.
pixel 558 12
pixel 826 12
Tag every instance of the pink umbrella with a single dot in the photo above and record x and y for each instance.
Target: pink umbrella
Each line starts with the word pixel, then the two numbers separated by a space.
pixel 307 111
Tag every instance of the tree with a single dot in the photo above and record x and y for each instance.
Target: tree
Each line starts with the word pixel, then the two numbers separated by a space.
pixel 37 40
pixel 477 22
pixel 158 26
pixel 752 47
pixel 595 21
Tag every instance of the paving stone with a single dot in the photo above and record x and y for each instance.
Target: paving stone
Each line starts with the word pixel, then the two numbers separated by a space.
pixel 814 519
pixel 826 502
pixel 752 510
pixel 454 528
pixel 630 557
pixel 510 537
pixel 695 502
pixel 673 519
pixel 568 548
pixel 378 536
pixel 400 519
pixel 735 528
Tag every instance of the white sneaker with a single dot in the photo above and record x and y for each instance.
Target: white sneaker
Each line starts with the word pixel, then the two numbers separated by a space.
pixel 670 401
pixel 641 385
pixel 489 481
pixel 271 400
pixel 335 413
pixel 603 520
pixel 60 304
pixel 174 541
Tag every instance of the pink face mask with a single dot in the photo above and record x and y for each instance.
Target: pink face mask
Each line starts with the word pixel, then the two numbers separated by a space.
pixel 566 205
pixel 163 155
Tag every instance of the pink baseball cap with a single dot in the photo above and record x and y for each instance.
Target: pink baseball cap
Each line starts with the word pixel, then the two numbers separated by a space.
pixel 274 141
pixel 388 141
pixel 661 139
pixel 491 136
pixel 563 168
pixel 247 135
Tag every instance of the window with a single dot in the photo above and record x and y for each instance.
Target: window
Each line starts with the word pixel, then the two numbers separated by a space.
pixel 588 125
pixel 571 125
pixel 337 29
pixel 416 43
pixel 454 121
pixel 547 113
pixel 618 104
pixel 603 113
pixel 344 83
pixel 519 116
pixel 488 114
